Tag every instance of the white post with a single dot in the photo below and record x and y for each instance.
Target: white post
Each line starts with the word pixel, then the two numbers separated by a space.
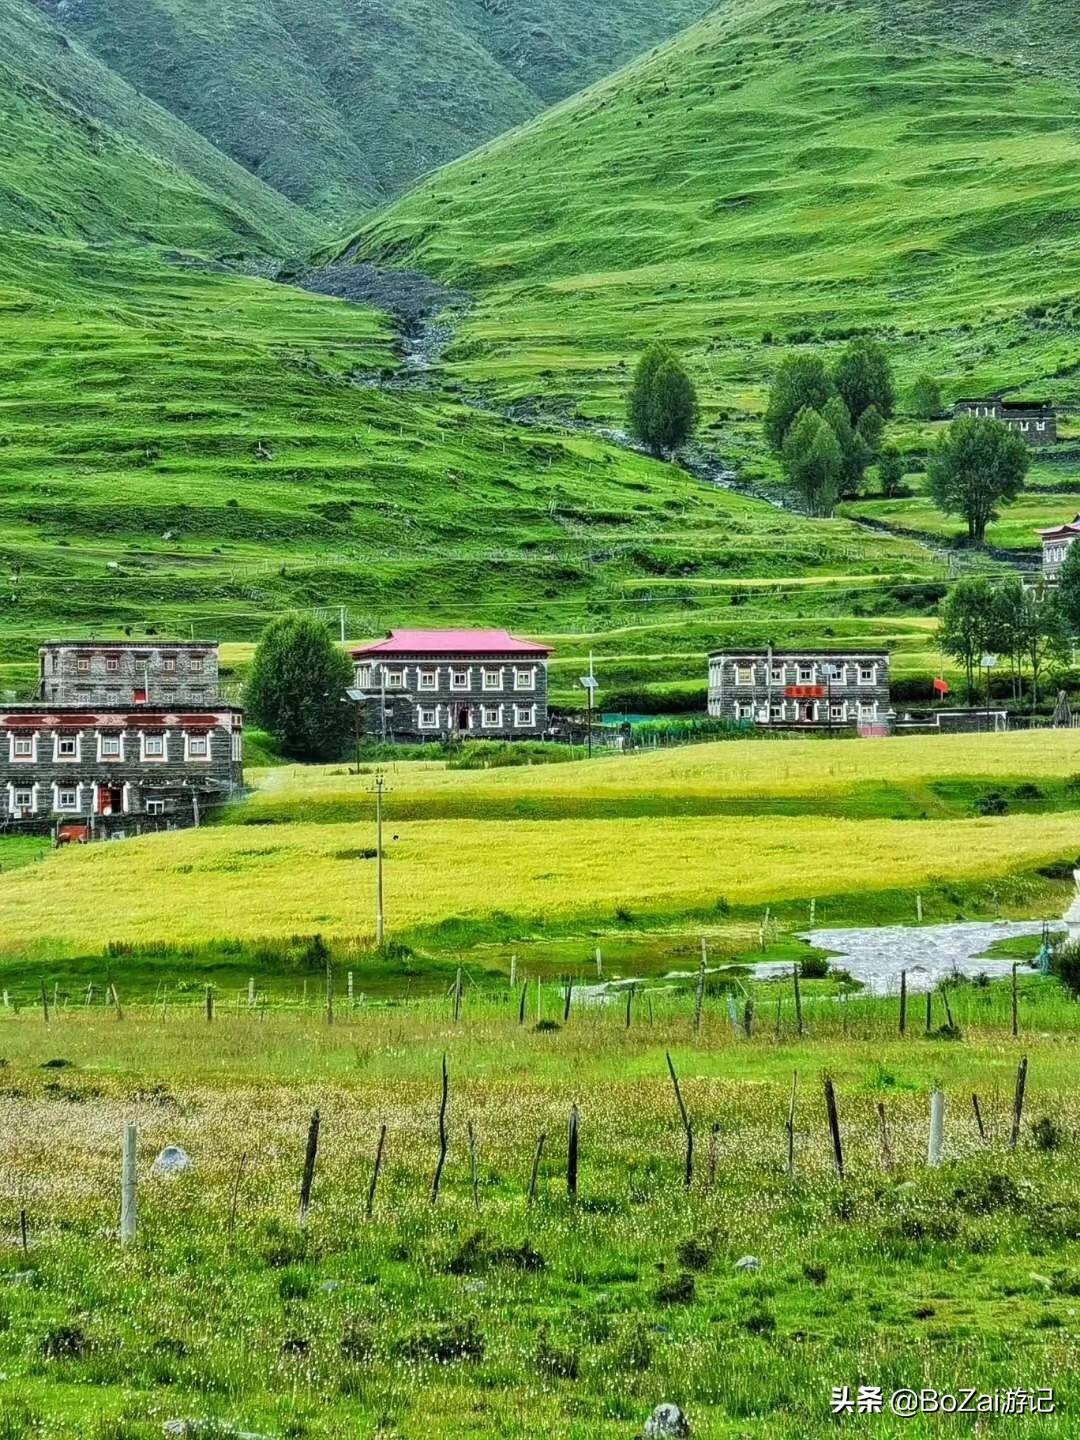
pixel 513 971
pixel 128 1182
pixel 349 986
pixel 937 1128
pixel 813 913
pixel 7 1001
pixel 599 964
pixel 918 908
pixel 251 990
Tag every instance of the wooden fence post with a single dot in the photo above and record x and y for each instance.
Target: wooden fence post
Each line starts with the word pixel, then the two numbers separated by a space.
pixel 209 1004
pixel 791 1126
pixel 936 1141
pixel 329 993
pixel 834 1126
pixel 116 1002
pixel 129 1186
pixel 929 1011
pixel 437 1180
pixel 472 1167
pixel 748 1018
pixel 1015 1006
pixel 309 1167
pixel 688 1129
pixel 521 1003
pixel 379 1149
pixel 599 964
pixel 886 1148
pixel 44 1003
pixel 798 998
pixel 629 1003
pixel 903 1002
pixel 251 992
pixel 714 1141
pixel 978 1117
pixel 457 995
pixel 513 971
pixel 1018 1103
pixel 567 999
pixel 573 1137
pixel 536 1165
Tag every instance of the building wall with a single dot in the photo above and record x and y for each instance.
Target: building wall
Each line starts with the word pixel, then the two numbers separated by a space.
pixel 1054 554
pixel 1035 426
pixel 72 754
pixel 747 688
pixel 427 698
pixel 91 672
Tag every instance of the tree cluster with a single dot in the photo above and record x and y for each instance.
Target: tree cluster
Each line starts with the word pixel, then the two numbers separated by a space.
pixel 1026 627
pixel 827 423
pixel 296 689
pixel 662 408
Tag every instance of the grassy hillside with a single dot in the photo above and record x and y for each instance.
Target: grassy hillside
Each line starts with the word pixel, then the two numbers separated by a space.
pixel 85 156
pixel 780 175
pixel 338 105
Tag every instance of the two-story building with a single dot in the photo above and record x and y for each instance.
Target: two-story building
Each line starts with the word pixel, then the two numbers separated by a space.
pixel 1056 544
pixel 801 689
pixel 1034 421
pixel 442 684
pixel 97 755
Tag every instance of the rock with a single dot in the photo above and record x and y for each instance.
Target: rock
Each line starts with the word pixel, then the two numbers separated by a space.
pixel 748 1262
pixel 173 1160
pixel 186 1429
pixel 667 1422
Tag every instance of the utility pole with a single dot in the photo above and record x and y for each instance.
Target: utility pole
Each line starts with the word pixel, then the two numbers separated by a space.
pixel 589 683
pixel 378 860
pixel 341 622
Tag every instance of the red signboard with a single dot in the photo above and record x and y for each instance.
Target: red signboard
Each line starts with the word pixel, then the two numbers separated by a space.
pixel 806 692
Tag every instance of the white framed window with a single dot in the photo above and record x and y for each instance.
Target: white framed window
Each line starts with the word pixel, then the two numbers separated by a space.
pixel 22 799
pixel 197 747
pixel 23 748
pixel 67 746
pixel 524 716
pixel 491 717
pixel 110 745
pixel 82 664
pixel 195 664
pixel 776 674
pixel 395 679
pixel 428 716
pixel 365 677
pixel 744 710
pixel 493 677
pixel 67 798
pixel 806 674
pixel 744 674
pixel 834 673
pixel 838 711
pixel 776 713
pixel 168 663
pixel 155 746
pixel 460 677
pixel 867 709
pixel 428 678
pixel 237 745
pixel 866 674
pixel 112 663
pixel 524 677
pixel 155 807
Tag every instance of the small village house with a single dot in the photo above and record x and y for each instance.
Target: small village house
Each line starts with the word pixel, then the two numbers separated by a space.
pixel 801 689
pixel 120 738
pixel 1056 544
pixel 1034 421
pixel 423 685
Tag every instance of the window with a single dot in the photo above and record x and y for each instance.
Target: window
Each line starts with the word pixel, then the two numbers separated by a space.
pixel 66 747
pixel 155 747
pixel 744 710
pixel 806 674
pixel 867 709
pixel 82 664
pixel 110 747
pixel 238 746
pixel 22 799
pixel 112 663
pixel 168 663
pixel 493 677
pixel 744 674
pixel 524 716
pixel 776 712
pixel 429 717
pixel 67 798
pixel 776 674
pixel 198 747
pixel 155 807
pixel 491 717
pixel 195 664
pixel 866 674
pixel 834 674
pixel 395 679
pixel 836 711
pixel 460 677
pixel 24 747
pixel 524 679
pixel 429 679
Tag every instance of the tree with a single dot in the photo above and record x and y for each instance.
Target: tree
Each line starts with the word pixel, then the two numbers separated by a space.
pixel 854 456
pixel 1069 590
pixel 863 376
pixel 296 689
pixel 1043 633
pixel 801 383
pixel 966 626
pixel 890 471
pixel 814 462
pixel 976 465
pixel 924 401
pixel 871 429
pixel 662 407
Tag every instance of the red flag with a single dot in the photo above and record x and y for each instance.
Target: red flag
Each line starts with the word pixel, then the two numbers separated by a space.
pixel 941 687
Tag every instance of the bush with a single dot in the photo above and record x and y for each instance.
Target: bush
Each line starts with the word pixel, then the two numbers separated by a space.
pixel 1066 966
pixel 814 967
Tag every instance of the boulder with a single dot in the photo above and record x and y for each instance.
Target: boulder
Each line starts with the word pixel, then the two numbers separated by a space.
pixel 667 1422
pixel 748 1262
pixel 173 1160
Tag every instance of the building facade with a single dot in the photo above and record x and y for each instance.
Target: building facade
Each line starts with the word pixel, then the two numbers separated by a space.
pixel 84 672
pixel 97 755
pixel 801 689
pixel 1033 420
pixel 440 685
pixel 1056 544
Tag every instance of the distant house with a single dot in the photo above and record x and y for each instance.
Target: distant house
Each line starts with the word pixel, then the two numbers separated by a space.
pixel 1056 544
pixel 444 684
pixel 121 738
pixel 1034 421
pixel 801 689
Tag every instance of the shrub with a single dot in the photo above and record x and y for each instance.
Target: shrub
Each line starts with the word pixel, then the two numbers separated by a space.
pixel 1046 1134
pixel 681 1290
pixel 1066 965
pixel 443 1344
pixel 814 967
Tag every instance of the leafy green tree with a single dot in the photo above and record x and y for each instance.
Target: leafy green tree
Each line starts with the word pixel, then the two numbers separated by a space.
pixel 890 470
pixel 924 400
pixel 966 627
pixel 871 429
pixel 296 689
pixel 663 406
pixel 863 376
pixel 854 455
pixel 1069 590
pixel 801 383
pixel 814 462
pixel 1043 633
pixel 977 465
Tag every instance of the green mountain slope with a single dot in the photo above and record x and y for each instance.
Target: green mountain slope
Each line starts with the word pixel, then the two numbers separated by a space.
pixel 782 173
pixel 339 104
pixel 85 156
